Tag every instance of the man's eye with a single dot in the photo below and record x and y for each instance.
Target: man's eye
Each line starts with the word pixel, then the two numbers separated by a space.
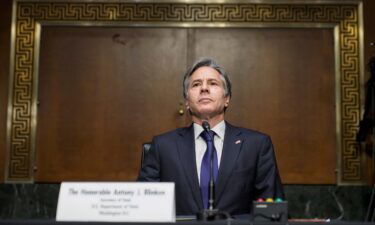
pixel 195 85
pixel 214 83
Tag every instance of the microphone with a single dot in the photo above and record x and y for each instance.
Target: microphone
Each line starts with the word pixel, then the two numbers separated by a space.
pixel 211 191
pixel 211 213
pixel 206 126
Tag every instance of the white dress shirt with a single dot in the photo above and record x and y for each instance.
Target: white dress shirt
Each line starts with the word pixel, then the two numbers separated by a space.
pixel 201 145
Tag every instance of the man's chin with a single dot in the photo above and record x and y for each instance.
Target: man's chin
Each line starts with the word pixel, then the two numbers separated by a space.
pixel 206 114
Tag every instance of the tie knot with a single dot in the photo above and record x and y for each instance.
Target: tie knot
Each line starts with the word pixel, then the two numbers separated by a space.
pixel 208 136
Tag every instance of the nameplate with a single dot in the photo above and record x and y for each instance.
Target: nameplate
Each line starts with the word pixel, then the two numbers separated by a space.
pixel 116 202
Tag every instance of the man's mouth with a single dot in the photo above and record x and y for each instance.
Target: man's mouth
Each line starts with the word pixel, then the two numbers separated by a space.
pixel 205 100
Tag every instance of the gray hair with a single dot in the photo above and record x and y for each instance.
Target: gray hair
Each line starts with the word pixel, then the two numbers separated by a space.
pixel 209 63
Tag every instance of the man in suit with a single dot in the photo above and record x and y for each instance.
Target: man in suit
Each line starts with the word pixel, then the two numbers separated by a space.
pixel 244 161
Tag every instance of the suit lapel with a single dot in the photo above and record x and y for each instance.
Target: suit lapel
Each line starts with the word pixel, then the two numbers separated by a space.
pixel 231 149
pixel 186 149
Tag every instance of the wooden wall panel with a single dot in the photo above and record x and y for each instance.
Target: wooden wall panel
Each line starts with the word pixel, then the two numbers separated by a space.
pixel 103 92
pixel 369 29
pixel 5 21
pixel 283 85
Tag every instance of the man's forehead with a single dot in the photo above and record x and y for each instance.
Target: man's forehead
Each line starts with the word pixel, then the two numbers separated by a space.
pixel 204 73
pixel 201 78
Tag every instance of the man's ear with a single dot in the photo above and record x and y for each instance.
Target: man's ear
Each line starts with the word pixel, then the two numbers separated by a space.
pixel 227 99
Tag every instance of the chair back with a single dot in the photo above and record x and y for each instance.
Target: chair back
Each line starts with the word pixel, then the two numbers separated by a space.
pixel 145 150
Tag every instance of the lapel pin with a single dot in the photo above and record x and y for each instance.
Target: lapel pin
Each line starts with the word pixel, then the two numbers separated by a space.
pixel 237 142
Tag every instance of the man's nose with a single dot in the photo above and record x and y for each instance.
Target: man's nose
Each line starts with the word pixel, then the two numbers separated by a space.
pixel 204 87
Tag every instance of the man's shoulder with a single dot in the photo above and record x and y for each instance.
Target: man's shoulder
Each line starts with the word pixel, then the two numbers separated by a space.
pixel 174 133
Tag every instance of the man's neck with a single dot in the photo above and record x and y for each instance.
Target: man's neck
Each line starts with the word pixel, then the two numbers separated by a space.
pixel 212 121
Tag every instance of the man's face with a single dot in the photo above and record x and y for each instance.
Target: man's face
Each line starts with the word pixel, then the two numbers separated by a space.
pixel 206 95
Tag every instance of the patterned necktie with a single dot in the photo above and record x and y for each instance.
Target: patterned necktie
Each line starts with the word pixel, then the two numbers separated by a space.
pixel 205 167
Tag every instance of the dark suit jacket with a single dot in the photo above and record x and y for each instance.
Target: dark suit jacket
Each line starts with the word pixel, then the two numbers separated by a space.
pixel 247 171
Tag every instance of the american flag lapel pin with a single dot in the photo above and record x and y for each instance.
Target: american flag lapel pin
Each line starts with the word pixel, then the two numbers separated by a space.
pixel 237 142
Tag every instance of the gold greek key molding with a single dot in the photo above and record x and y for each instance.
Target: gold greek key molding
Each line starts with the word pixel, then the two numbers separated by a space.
pixel 344 17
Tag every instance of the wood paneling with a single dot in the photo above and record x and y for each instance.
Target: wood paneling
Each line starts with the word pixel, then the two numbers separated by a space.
pixel 369 29
pixel 5 21
pixel 283 85
pixel 104 91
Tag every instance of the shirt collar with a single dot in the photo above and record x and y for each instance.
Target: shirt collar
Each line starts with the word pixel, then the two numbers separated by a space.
pixel 219 130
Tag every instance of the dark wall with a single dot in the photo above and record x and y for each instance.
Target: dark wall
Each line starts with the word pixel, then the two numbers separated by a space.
pixel 369 29
pixel 5 24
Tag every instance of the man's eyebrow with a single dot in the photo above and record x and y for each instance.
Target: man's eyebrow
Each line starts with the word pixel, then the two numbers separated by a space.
pixel 196 80
pixel 211 79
